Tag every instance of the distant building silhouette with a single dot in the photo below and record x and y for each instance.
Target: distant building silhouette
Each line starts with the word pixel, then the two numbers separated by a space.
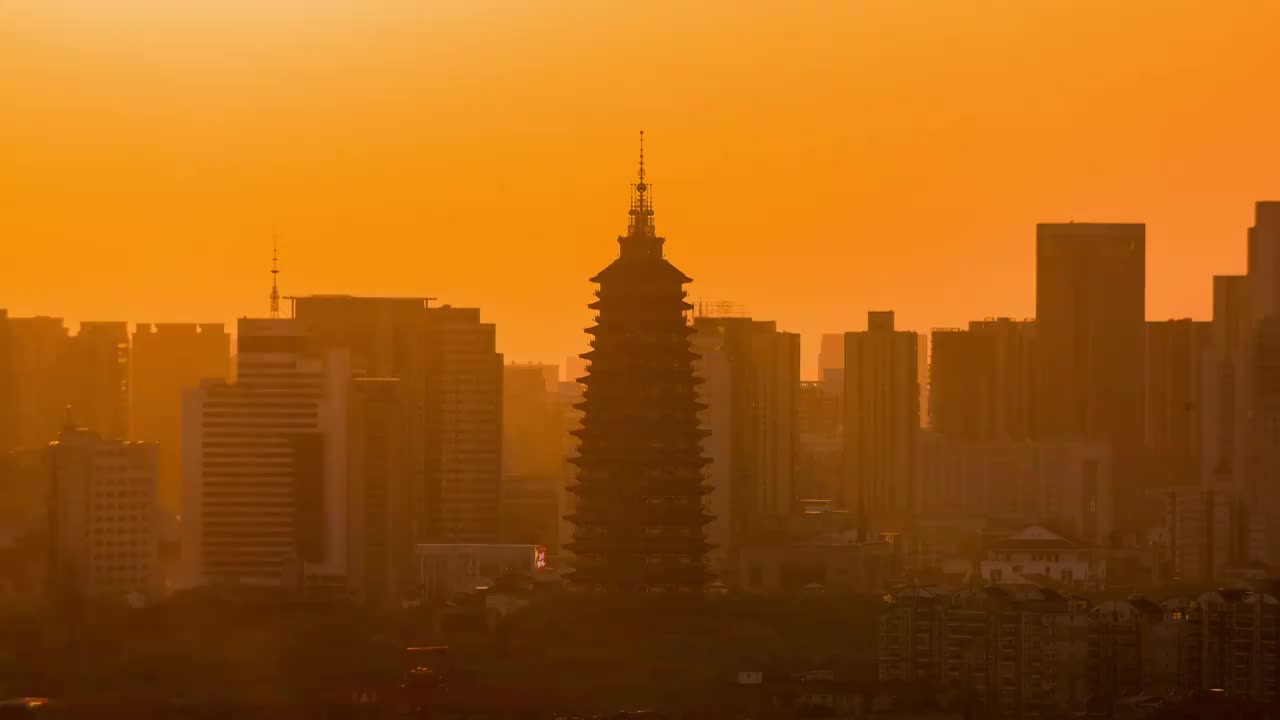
pixel 819 440
pixel 450 381
pixel 639 521
pixel 1174 374
pixel 464 425
pixel 96 375
pixel 981 380
pixel 881 420
pixel 1090 331
pixel 37 347
pixel 533 450
pixel 764 371
pixel 830 354
pixel 104 541
pixel 168 358
pixel 1263 383
pixel 264 464
pixel 1012 482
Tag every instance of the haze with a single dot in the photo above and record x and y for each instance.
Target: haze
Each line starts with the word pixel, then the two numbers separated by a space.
pixel 810 160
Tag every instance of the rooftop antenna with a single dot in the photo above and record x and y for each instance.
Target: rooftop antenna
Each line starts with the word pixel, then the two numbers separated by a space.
pixel 275 270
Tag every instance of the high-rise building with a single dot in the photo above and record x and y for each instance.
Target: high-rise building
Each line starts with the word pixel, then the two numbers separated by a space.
pixel 464 426
pixel 1262 384
pixel 881 420
pixel 168 358
pixel 1264 438
pixel 103 519
pixel 980 380
pixel 37 347
pixel 451 377
pixel 764 370
pixel 378 565
pixel 96 377
pixel 639 520
pixel 1174 374
pixel 1224 385
pixel 265 464
pixel 1090 336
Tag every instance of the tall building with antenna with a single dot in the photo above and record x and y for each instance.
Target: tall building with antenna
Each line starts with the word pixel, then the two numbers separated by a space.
pixel 639 520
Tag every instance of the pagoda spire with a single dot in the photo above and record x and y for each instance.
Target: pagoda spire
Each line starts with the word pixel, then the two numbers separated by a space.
pixel 641 204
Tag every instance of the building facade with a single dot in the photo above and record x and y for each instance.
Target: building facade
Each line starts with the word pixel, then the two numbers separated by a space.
pixel 1174 410
pixel 881 421
pixel 104 541
pixel 265 464
pixel 764 385
pixel 1090 341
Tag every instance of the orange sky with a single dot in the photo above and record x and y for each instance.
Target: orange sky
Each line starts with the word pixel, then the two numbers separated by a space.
pixel 810 160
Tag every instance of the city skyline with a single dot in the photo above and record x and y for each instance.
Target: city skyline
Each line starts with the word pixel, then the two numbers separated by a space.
pixel 832 161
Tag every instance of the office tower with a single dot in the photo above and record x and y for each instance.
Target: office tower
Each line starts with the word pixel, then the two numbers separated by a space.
pixel 830 354
pixel 265 464
pixel 451 377
pixel 37 348
pixel 639 523
pixel 377 477
pixel 881 420
pixel 464 425
pixel 764 367
pixel 168 358
pixel 980 381
pixel 1090 331
pixel 96 377
pixel 1174 354
pixel 103 536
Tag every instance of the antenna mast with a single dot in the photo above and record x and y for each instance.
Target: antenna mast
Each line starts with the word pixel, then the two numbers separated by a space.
pixel 275 270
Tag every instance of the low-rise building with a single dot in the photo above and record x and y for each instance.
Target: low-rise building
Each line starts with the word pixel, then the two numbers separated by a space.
pixel 1037 554
pixel 445 569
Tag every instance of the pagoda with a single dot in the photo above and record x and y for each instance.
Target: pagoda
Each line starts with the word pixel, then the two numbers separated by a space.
pixel 639 519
